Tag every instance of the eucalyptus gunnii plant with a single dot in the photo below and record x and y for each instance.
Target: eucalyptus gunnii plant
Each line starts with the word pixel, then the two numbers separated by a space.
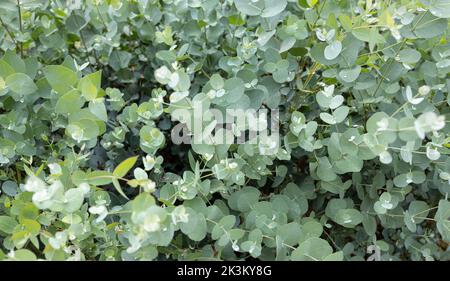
pixel 91 92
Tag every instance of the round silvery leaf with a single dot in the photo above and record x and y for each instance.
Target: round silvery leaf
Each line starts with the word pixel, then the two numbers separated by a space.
pixel 341 113
pixel 388 201
pixel 216 81
pixel 327 118
pixel 379 208
pixel 439 8
pixel 351 74
pixel 410 98
pixel 321 34
pixel 383 127
pixel 264 8
pixel 402 180
pixel 432 153
pixel 443 63
pixel 163 74
pixel 273 7
pixel 270 67
pixel 324 170
pixel 180 81
pixel 287 44
pixel 178 96
pixel 10 188
pixel 409 56
pixel 74 199
pixel 281 75
pixel 428 26
pixel 311 128
pixel 385 157
pixel 418 211
pixel 333 50
pixel 406 154
pixel 20 83
pixel 410 222
pixel 328 91
pixel 313 249
pixel 248 7
pixel 336 101
pixel 406 129
pixel 348 217
pixel 428 122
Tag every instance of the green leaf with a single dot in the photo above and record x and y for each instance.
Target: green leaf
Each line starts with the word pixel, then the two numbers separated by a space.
pixel 61 78
pixel 289 233
pixel 7 224
pixel 10 188
pixel 32 226
pixel 5 69
pixel 75 23
pixel 327 118
pixel 428 26
pixel 442 218
pixel 14 61
pixel 416 213
pixel 24 255
pixel 311 229
pixel 303 3
pixel 346 22
pixel 362 34
pixel 224 225
pixel 244 199
pixel 74 198
pixel 348 217
pixel 313 249
pixel 439 8
pixel 369 224
pixel 83 129
pixel 123 168
pixel 216 82
pixel 20 83
pixel 69 103
pixel 338 256
pixel 409 56
pixel 117 186
pixel 89 85
pixel 195 227
pixel 98 108
pixel 324 170
pixel 99 177
pixel 351 74
pixel 341 113
pixel 265 8
pixel 383 126
pixel 333 50
pixel 119 60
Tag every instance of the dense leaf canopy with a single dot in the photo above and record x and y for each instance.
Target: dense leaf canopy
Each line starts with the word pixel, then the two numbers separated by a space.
pixel 89 92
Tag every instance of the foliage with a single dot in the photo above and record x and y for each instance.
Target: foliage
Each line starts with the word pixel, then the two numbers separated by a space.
pixel 88 95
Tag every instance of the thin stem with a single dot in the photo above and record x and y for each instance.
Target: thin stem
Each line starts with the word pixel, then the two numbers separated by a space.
pixel 311 73
pixel 9 32
pixel 284 244
pixel 403 106
pixel 380 50
pixel 397 52
pixel 20 27
pixel 319 13
pixel 83 41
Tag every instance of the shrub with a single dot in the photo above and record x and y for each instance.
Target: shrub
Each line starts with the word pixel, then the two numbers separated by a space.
pixel 101 158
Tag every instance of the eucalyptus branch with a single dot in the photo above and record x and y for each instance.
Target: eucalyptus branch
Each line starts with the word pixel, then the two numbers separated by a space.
pixel 19 11
pixel 9 32
pixel 391 60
